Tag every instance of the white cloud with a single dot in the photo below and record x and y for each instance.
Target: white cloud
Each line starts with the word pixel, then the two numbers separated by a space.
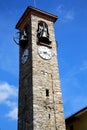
pixel 13 114
pixel 8 97
pixel 65 15
pixel 7 91
pixel 11 104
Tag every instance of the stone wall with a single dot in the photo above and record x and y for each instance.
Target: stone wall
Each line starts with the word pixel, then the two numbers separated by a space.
pixel 48 110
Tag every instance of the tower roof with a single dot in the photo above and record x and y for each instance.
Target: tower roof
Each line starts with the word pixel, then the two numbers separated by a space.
pixel 31 10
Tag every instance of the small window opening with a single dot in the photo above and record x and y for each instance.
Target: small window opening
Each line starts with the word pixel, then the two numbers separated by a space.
pixel 47 92
pixel 49 116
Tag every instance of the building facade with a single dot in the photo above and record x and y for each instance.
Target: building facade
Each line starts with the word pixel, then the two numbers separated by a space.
pixel 77 121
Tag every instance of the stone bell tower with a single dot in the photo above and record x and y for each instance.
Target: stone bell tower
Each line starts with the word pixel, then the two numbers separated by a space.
pixel 40 98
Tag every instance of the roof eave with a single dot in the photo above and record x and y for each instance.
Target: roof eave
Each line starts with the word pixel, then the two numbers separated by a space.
pixel 34 11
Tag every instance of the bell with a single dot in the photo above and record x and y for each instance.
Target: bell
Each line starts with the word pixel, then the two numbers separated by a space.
pixel 23 38
pixel 42 33
pixel 44 37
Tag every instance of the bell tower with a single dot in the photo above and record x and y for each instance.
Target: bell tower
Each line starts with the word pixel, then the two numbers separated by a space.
pixel 40 98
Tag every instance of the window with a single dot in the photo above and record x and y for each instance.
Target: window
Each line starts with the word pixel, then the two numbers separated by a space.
pixel 47 92
pixel 49 116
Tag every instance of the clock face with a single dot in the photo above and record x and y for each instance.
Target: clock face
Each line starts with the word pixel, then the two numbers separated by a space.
pixel 25 56
pixel 44 52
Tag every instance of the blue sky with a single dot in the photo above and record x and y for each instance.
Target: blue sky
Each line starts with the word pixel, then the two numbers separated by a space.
pixel 71 35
